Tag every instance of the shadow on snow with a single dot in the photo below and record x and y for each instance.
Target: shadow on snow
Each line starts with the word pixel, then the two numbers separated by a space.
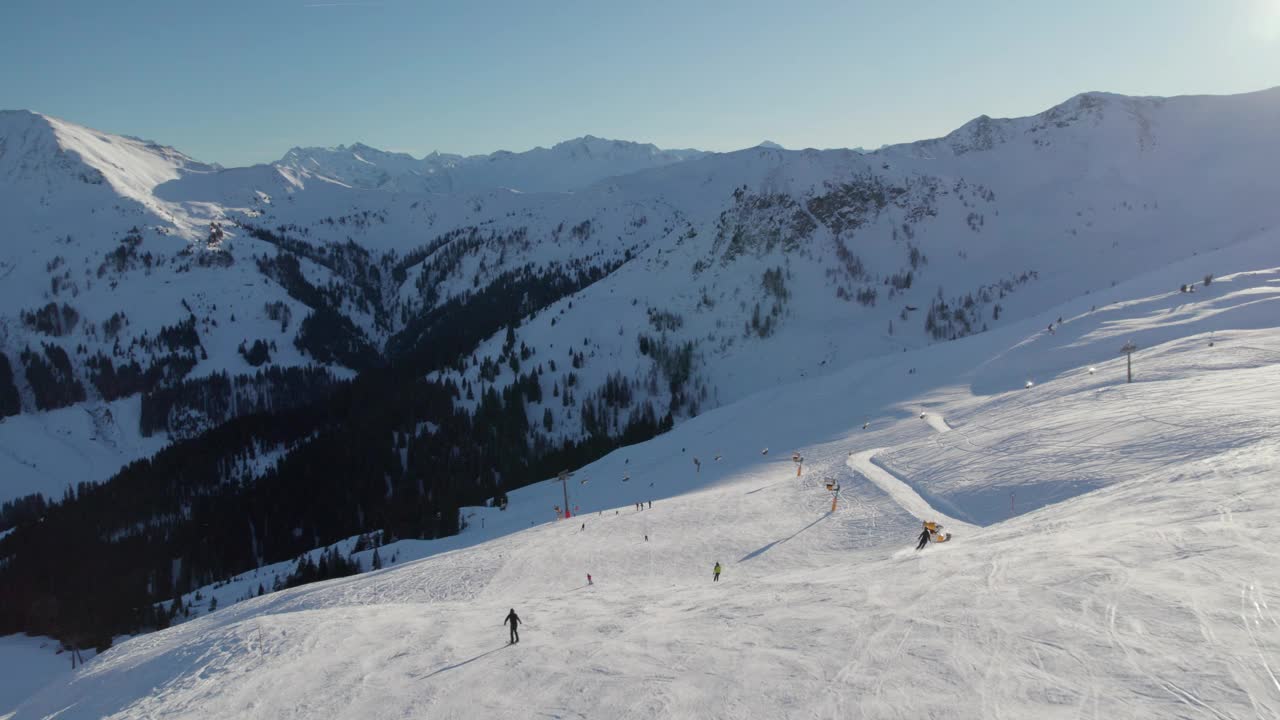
pixel 464 662
pixel 757 553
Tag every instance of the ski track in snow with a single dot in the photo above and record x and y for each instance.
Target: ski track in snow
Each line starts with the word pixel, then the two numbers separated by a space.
pixel 900 491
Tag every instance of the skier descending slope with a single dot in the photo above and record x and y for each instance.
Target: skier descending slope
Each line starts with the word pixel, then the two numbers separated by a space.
pixel 924 538
pixel 513 619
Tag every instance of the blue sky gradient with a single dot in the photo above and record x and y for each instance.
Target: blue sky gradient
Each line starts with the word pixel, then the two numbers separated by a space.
pixel 238 82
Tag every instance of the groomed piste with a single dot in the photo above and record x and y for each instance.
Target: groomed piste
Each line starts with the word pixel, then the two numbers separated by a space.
pixel 1113 551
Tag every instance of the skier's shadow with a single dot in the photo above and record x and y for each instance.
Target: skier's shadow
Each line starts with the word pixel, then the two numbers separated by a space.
pixel 465 662
pixel 757 553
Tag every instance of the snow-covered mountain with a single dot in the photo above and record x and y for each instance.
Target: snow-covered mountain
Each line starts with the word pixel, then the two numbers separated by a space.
pixel 815 259
pixel 1110 550
pixel 567 166
pixel 54 171
pixel 342 359
pixel 110 287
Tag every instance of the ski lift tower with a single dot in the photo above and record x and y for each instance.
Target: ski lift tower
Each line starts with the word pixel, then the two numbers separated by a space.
pixel 564 485
pixel 1128 350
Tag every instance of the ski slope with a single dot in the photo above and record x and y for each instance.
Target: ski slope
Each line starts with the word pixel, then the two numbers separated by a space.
pixel 907 498
pixel 29 664
pixel 1131 577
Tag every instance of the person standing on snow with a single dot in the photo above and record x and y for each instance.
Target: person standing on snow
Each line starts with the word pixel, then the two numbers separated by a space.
pixel 513 619
pixel 589 579
pixel 715 573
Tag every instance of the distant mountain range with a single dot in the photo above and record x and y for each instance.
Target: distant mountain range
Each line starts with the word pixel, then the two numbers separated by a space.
pixel 567 166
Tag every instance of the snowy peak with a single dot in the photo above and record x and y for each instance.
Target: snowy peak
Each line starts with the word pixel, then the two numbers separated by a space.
pixel 30 151
pixel 357 165
pixel 42 153
pixel 590 146
pixel 566 166
pixel 1123 123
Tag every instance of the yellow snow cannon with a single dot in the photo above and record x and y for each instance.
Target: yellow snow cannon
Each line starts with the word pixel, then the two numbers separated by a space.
pixel 935 532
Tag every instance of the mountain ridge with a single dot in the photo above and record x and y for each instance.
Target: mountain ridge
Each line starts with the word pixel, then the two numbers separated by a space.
pixel 539 169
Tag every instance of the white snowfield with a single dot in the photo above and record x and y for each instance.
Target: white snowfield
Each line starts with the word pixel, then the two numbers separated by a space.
pixel 1131 578
pixel 28 664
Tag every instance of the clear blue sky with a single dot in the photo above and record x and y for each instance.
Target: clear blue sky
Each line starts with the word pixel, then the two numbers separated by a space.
pixel 240 81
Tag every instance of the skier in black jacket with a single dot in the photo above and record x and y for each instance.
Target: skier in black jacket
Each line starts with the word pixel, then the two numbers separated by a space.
pixel 513 619
pixel 924 539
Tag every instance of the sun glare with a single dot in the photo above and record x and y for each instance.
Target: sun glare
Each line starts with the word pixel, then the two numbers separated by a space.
pixel 1265 18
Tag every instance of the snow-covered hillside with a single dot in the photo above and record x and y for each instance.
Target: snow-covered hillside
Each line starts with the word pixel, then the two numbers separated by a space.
pixel 29 664
pixel 774 265
pixel 1110 553
pixel 679 280
pixel 126 267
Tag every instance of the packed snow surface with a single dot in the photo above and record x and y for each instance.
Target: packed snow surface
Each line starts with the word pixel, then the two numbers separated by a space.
pixel 28 664
pixel 1129 575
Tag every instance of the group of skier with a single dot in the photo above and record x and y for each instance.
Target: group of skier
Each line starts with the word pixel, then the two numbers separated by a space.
pixel 931 532
pixel 514 621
